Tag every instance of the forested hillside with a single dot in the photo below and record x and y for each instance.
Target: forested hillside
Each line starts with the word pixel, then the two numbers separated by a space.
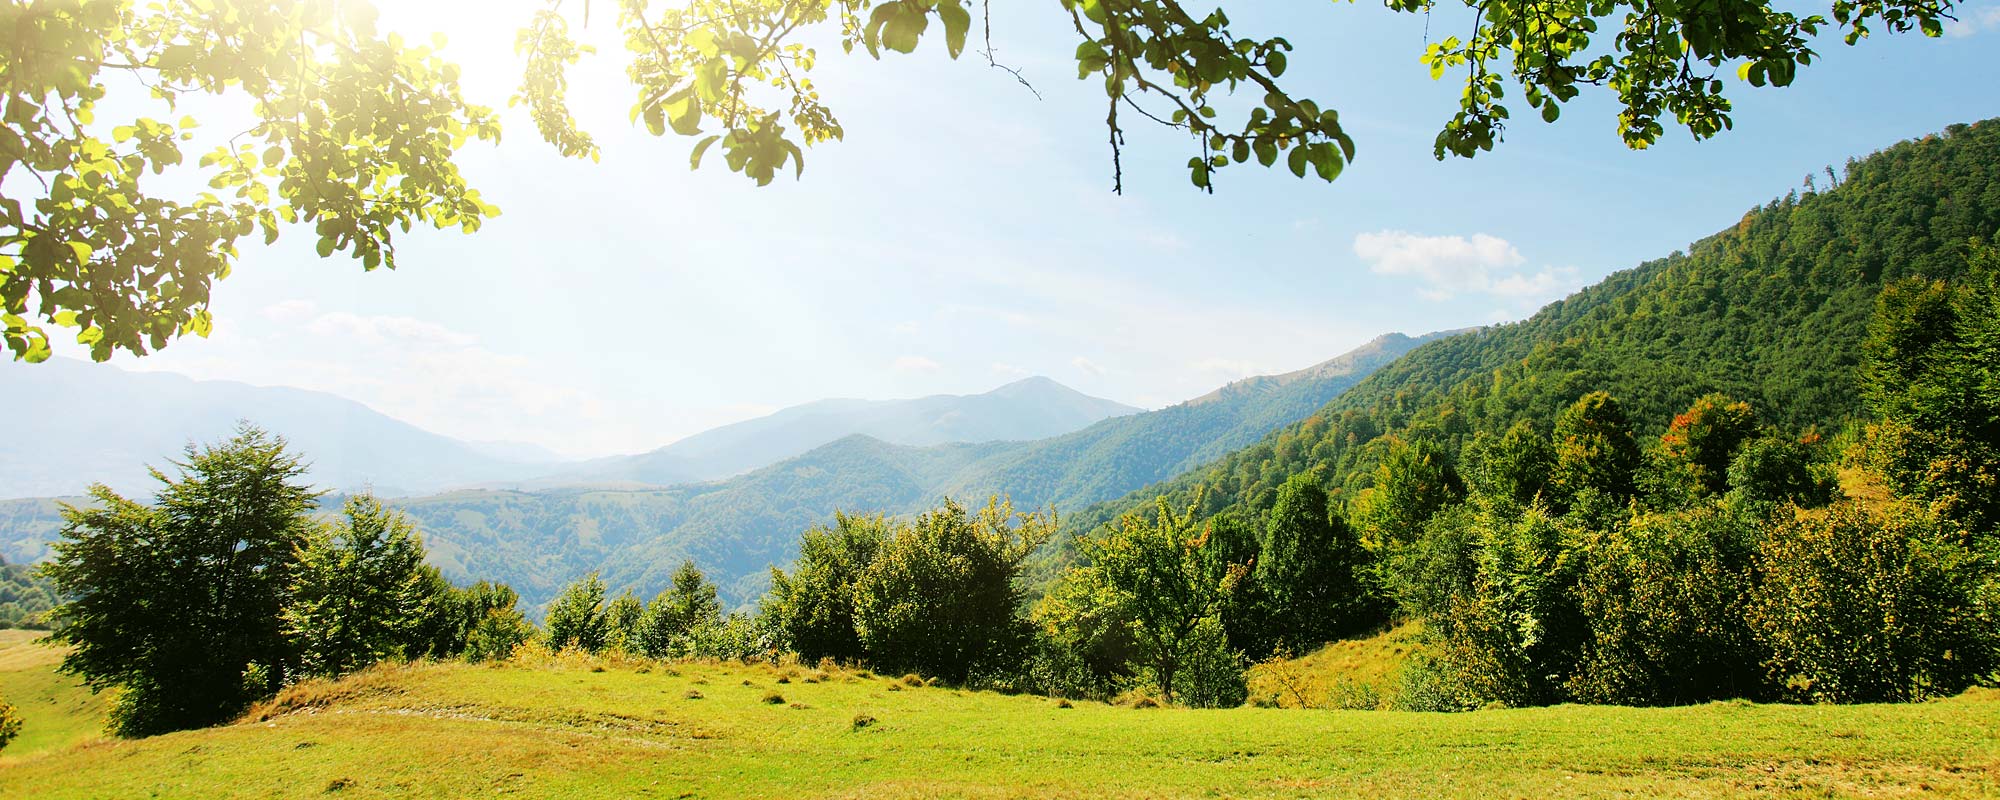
pixel 1109 458
pixel 1772 310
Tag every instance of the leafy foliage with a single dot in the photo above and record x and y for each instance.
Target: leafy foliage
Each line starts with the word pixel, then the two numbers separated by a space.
pixel 740 65
pixel 1153 570
pixel 178 604
pixel 1860 609
pixel 941 595
pixel 357 592
pixel 354 133
pixel 675 618
pixel 1311 570
pixel 1932 377
pixel 813 605
pixel 577 618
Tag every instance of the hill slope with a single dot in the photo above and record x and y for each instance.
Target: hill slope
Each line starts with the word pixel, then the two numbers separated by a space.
pixel 96 423
pixel 1772 310
pixel 1032 408
pixel 585 729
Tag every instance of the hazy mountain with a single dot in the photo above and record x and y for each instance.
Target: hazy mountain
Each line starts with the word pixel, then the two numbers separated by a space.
pixel 737 528
pixel 1027 409
pixel 78 423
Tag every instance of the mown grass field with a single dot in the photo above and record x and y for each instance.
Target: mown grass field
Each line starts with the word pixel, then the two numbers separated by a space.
pixel 564 729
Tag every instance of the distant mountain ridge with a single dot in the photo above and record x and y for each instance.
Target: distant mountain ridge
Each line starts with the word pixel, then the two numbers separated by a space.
pixel 636 532
pixel 1031 408
pixel 97 423
pixel 736 529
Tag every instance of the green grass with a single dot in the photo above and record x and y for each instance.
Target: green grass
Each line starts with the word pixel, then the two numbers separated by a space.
pixel 564 730
pixel 56 711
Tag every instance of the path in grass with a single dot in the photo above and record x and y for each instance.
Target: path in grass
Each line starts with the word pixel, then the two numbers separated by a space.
pixel 731 731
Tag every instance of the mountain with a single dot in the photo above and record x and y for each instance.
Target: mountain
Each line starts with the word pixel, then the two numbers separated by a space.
pixel 1027 409
pixel 1771 310
pixel 1117 455
pixel 82 423
pixel 738 528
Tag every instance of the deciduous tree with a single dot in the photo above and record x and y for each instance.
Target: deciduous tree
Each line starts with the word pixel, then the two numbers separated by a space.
pixel 178 604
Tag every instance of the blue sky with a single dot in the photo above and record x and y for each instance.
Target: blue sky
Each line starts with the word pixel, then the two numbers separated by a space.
pixel 965 235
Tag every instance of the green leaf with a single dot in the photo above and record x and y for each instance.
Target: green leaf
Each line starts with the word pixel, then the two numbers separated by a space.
pixel 694 160
pixel 957 21
pixel 1297 161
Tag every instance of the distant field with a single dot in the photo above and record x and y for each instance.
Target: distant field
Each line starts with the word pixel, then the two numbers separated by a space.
pixel 57 711
pixel 564 730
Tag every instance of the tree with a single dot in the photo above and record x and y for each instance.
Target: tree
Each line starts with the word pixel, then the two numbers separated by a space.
pixel 1413 482
pixel 813 606
pixel 1310 568
pixel 352 132
pixel 577 619
pixel 491 621
pixel 1515 466
pixel 356 133
pixel 1929 376
pixel 941 597
pixel 1773 470
pixel 1703 440
pixel 1596 458
pixel 1153 565
pixel 178 604
pixel 358 592
pixel 676 613
pixel 622 619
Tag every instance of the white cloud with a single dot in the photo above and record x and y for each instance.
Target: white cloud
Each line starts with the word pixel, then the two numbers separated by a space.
pixel 388 330
pixel 1011 370
pixel 1449 266
pixel 1227 368
pixel 1086 365
pixel 910 328
pixel 289 310
pixel 1982 20
pixel 916 364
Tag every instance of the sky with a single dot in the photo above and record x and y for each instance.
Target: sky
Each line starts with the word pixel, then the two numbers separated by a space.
pixel 964 234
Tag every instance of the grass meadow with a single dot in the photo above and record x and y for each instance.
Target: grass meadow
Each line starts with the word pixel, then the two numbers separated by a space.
pixel 580 727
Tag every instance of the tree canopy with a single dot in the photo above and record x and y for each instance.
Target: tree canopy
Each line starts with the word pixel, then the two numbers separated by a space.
pixel 357 131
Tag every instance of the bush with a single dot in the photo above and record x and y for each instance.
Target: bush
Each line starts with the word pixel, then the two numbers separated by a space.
pixel 1859 609
pixel 1663 596
pixel 940 596
pixel 1515 636
pixel 10 723
pixel 1210 674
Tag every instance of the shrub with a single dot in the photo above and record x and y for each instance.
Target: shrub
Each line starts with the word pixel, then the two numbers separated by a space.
pixel 1210 674
pixel 1663 596
pixel 1859 609
pixel 10 723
